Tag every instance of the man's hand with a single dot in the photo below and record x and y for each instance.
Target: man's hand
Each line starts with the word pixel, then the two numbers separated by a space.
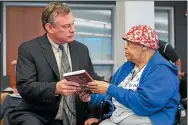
pixel 65 87
pixel 85 97
pixel 180 75
pixel 99 87
pixel 90 121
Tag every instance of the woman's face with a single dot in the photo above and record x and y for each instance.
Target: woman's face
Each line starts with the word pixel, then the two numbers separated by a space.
pixel 133 51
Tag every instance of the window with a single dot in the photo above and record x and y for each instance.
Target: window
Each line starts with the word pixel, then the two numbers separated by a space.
pixel 94 29
pixel 164 24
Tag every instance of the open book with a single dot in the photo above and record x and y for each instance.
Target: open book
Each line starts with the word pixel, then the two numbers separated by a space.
pixel 81 77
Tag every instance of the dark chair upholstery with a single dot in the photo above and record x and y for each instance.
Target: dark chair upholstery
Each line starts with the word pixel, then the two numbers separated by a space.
pixel 183 87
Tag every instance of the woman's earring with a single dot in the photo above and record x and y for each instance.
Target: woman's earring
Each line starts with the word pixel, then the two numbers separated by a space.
pixel 143 55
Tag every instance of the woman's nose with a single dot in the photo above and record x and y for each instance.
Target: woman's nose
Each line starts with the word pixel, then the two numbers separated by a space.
pixel 125 46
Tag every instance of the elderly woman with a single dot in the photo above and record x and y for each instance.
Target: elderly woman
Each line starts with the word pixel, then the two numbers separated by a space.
pixel 144 90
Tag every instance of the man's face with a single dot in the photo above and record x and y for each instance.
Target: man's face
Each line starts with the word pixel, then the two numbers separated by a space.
pixel 64 30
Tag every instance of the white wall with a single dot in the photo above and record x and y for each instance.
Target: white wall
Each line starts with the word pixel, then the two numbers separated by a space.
pixel 139 12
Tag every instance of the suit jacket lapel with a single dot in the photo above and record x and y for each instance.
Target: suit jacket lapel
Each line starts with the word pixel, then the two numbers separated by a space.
pixel 49 54
pixel 74 56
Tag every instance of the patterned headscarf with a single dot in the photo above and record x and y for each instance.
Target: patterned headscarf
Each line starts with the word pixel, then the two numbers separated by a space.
pixel 144 35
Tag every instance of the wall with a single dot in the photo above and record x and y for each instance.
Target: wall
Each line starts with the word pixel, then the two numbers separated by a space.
pixel 1 69
pixel 145 10
pixel 180 28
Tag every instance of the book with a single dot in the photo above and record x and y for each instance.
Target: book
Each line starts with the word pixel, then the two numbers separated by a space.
pixel 81 77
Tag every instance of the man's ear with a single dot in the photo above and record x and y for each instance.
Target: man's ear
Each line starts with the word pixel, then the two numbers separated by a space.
pixel 49 27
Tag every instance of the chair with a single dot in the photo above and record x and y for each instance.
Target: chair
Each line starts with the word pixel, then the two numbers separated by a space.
pixel 183 90
pixel 104 109
pixel 181 116
pixel 7 106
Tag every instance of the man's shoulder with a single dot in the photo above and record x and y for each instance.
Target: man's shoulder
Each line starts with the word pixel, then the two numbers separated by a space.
pixel 162 46
pixel 31 43
pixel 162 43
pixel 79 44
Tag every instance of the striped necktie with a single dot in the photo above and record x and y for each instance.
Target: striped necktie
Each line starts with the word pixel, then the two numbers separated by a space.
pixel 65 66
pixel 68 110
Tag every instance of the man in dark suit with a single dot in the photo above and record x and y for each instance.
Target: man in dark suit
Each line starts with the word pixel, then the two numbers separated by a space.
pixel 47 98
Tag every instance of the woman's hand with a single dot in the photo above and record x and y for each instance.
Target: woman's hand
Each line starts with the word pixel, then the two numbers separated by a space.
pixel 100 87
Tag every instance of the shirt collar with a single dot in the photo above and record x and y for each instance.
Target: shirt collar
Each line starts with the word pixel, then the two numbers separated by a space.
pixel 56 46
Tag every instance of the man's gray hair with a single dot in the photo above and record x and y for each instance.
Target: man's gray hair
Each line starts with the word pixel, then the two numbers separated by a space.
pixel 53 9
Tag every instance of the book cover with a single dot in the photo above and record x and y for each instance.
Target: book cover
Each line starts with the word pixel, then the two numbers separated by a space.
pixel 81 77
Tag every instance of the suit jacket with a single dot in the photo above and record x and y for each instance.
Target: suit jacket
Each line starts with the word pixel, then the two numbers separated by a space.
pixel 37 74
